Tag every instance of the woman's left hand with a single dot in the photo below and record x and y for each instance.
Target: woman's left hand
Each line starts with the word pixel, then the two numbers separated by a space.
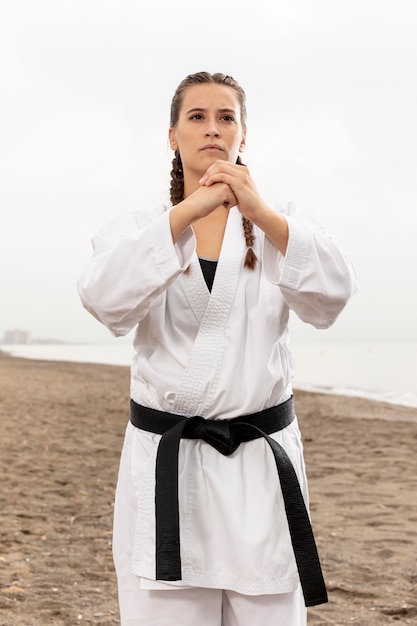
pixel 250 203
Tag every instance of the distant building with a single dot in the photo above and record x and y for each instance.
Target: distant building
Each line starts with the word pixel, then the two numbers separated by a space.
pixel 17 336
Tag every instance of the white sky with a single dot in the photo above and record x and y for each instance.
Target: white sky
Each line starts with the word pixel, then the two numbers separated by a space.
pixel 85 91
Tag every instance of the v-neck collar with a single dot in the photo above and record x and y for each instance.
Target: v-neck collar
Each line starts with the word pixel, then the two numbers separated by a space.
pixel 232 250
pixel 212 310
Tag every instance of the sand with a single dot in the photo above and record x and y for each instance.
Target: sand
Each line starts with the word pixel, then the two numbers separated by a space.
pixel 61 432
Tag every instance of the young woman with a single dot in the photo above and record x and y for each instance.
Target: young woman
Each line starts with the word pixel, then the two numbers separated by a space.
pixel 211 523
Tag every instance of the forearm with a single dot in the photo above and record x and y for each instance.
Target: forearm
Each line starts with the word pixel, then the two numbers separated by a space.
pixel 274 225
pixel 182 216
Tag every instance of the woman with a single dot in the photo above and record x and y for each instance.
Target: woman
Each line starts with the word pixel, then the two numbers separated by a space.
pixel 211 524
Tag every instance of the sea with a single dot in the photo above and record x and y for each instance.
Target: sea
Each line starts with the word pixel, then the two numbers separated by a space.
pixel 379 371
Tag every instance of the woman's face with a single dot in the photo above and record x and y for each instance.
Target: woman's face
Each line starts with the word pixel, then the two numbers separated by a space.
pixel 209 128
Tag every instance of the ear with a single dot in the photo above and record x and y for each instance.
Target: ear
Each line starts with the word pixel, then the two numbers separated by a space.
pixel 172 139
pixel 243 142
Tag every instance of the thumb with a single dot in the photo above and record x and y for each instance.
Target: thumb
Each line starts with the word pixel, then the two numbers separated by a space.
pixel 230 199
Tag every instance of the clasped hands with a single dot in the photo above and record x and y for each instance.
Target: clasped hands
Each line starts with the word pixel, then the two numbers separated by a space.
pixel 230 184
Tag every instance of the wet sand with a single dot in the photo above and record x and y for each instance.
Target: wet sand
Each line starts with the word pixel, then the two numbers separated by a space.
pixel 61 432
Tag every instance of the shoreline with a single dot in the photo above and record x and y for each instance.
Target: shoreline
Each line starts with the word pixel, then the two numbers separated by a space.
pixel 61 432
pixel 405 411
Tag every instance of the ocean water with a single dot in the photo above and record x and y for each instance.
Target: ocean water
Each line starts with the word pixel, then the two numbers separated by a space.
pixel 380 371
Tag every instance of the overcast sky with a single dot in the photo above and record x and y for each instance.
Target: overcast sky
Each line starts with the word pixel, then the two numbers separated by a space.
pixel 85 91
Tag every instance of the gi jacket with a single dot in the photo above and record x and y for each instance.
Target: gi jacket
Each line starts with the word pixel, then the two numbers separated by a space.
pixel 218 355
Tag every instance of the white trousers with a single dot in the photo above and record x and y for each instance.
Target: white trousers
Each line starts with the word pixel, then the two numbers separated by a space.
pixel 209 607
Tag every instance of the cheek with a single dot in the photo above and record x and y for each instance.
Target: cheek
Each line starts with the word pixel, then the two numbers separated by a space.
pixel 237 141
pixel 184 140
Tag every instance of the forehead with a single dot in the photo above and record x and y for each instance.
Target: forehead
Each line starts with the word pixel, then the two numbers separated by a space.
pixel 210 96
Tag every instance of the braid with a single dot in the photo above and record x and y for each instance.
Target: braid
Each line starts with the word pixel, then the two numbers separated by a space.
pixel 250 258
pixel 176 191
pixel 177 180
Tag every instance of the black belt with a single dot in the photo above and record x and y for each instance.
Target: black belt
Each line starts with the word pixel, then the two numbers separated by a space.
pixel 226 436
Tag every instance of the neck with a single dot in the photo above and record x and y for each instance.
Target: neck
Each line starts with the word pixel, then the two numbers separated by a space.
pixel 191 180
pixel 191 184
pixel 209 232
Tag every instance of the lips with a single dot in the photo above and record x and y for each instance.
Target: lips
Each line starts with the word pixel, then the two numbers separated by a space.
pixel 212 147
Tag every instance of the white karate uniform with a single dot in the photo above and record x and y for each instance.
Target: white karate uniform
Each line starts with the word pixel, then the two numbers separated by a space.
pixel 218 355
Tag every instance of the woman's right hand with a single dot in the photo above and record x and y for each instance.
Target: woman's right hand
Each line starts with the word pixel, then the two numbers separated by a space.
pixel 202 202
pixel 207 200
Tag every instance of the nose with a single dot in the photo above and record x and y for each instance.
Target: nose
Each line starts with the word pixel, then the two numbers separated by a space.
pixel 211 128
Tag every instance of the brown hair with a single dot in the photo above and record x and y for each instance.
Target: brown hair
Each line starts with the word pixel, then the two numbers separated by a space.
pixel 177 174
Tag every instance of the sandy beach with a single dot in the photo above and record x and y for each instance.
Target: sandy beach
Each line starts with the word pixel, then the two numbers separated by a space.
pixel 61 432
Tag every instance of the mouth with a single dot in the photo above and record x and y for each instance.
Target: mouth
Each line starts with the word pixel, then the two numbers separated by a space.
pixel 212 147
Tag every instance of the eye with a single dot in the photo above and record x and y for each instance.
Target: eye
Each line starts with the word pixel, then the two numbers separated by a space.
pixel 196 116
pixel 228 118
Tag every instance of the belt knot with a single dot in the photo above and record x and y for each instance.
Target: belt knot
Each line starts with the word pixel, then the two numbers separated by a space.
pixel 218 433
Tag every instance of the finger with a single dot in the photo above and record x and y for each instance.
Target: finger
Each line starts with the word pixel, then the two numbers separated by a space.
pixel 220 177
pixel 224 194
pixel 220 167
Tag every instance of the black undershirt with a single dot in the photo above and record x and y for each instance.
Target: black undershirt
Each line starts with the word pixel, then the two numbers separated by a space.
pixel 208 267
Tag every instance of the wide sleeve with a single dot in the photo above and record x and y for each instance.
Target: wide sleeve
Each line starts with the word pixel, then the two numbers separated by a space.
pixel 133 263
pixel 315 276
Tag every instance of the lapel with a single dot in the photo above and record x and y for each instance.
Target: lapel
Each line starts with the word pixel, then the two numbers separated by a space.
pixel 199 380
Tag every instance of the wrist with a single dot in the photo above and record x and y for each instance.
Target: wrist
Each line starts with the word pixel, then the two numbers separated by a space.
pixel 259 213
pixel 274 225
pixel 181 217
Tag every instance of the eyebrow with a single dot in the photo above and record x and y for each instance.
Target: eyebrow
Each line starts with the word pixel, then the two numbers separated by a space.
pixel 201 109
